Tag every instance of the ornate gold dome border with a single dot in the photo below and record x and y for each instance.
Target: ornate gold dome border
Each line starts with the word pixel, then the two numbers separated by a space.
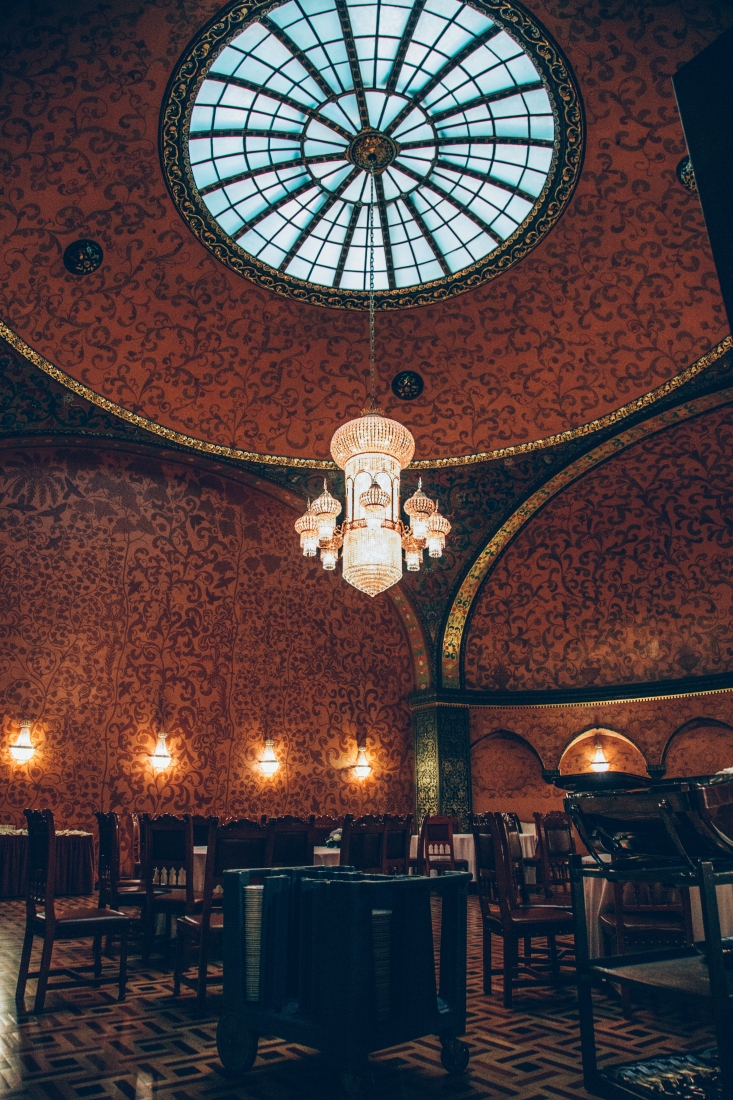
pixel 18 344
pixel 453 636
pixel 564 173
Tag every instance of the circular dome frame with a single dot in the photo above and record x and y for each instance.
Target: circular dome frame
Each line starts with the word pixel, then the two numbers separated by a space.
pixel 559 84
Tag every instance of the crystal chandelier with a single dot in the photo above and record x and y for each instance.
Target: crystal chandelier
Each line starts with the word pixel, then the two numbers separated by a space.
pixel 372 451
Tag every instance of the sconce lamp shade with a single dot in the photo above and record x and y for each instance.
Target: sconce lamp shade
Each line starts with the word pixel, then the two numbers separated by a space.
pixel 599 762
pixel 161 758
pixel 22 748
pixel 362 768
pixel 269 763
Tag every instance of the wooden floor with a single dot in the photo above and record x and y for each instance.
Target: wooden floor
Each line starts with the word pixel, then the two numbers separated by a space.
pixel 85 1045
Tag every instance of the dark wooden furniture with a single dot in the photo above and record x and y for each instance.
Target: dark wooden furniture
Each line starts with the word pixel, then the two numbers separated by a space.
pixel 74 864
pixel 435 848
pixel 167 849
pixel 111 884
pixel 362 844
pixel 555 846
pixel 321 829
pixel 290 841
pixel 238 844
pixel 397 836
pixel 504 915
pixel 70 924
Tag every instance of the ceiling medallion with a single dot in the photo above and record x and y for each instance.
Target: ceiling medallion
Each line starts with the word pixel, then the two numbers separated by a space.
pixel 465 115
pixel 372 451
pixel 407 385
pixel 83 257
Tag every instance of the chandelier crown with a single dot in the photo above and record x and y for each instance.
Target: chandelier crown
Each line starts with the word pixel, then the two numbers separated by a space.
pixel 419 504
pixel 374 499
pixel 372 433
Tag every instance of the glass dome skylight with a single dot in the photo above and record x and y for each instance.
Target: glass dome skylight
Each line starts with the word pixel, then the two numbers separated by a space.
pixel 459 121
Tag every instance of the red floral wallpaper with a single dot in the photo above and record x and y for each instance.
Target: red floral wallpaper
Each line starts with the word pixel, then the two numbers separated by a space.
pixel 626 576
pixel 138 593
pixel 618 298
pixel 507 776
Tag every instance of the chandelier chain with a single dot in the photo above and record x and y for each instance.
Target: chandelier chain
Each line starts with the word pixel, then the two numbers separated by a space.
pixel 370 234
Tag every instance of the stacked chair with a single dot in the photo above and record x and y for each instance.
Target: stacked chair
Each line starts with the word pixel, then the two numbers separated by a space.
pixel 436 849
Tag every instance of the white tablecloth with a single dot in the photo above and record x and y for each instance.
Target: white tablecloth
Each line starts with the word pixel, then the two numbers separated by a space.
pixel 463 848
pixel 326 857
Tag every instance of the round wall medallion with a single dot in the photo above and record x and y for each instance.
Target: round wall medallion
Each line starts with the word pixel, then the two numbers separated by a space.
pixel 279 116
pixel 686 175
pixel 407 385
pixel 83 257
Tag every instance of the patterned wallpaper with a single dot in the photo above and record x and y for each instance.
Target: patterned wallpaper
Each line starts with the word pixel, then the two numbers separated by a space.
pixel 626 576
pixel 507 775
pixel 621 296
pixel 138 592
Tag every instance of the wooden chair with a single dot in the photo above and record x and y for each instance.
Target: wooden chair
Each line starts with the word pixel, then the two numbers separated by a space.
pixel 516 854
pixel 322 828
pixel 168 863
pixel 504 915
pixel 362 844
pixel 645 915
pixel 555 846
pixel 290 842
pixel 70 924
pixel 237 844
pixel 112 885
pixel 435 848
pixel 396 855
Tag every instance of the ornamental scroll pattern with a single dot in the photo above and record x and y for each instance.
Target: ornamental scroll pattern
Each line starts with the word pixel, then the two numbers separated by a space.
pixel 427 773
pixel 620 297
pixel 140 595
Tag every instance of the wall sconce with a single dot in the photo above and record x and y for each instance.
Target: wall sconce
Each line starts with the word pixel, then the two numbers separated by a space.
pixel 161 758
pixel 599 762
pixel 269 763
pixel 22 748
pixel 362 768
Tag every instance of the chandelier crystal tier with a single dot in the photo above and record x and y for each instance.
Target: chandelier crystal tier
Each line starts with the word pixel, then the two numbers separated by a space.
pixel 372 451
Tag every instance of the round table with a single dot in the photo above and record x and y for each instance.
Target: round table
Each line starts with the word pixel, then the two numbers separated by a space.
pixel 74 863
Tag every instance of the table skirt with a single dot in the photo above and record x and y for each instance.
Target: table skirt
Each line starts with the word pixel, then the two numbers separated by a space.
pixel 74 865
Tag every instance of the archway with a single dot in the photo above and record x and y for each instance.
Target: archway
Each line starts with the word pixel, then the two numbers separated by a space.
pixel 621 753
pixel 701 746
pixel 507 776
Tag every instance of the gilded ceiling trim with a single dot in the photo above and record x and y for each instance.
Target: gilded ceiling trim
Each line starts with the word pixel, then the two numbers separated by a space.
pixel 190 73
pixel 468 703
pixel 463 601
pixel 239 455
pixel 416 636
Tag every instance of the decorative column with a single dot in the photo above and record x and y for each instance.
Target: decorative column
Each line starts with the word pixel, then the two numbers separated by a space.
pixel 442 761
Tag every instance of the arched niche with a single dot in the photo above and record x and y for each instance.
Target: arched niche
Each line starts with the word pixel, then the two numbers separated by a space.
pixel 506 775
pixel 701 746
pixel 621 753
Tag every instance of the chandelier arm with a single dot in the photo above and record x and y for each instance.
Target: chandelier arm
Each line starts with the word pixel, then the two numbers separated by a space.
pixel 372 369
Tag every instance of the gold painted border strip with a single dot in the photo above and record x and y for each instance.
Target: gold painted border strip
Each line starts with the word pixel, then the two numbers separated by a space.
pixel 461 607
pixel 588 703
pixel 421 661
pixel 173 436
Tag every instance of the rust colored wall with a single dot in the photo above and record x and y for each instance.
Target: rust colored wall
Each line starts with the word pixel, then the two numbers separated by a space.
pixel 700 751
pixel 507 775
pixel 621 755
pixel 621 295
pixel 625 577
pixel 131 586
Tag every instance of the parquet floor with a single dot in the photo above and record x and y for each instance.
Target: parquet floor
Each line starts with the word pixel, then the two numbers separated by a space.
pixel 85 1046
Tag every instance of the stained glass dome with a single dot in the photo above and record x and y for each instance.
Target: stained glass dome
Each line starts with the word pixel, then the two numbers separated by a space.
pixel 468 120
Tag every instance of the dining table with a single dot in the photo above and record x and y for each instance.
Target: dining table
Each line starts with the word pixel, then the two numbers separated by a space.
pixel 74 862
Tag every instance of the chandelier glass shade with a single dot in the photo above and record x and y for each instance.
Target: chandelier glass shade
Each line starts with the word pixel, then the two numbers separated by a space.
pixel 22 748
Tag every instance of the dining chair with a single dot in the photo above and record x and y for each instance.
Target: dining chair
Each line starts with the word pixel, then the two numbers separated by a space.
pixel 77 923
pixel 397 837
pixel 362 844
pixel 645 915
pixel 290 841
pixel 322 828
pixel 504 915
pixel 436 847
pixel 236 845
pixel 555 846
pixel 168 862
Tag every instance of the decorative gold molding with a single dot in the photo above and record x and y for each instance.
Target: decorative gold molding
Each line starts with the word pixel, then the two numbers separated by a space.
pixel 239 455
pixel 463 601
pixel 418 645
pixel 594 703
pixel 192 70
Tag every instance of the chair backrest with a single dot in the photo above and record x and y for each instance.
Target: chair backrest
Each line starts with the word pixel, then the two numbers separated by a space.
pixel 41 864
pixel 108 858
pixel 200 830
pixel 239 845
pixel 506 887
pixel 483 842
pixel 559 837
pixel 168 854
pixel 436 850
pixel 362 844
pixel 397 834
pixel 555 845
pixel 322 828
pixel 291 843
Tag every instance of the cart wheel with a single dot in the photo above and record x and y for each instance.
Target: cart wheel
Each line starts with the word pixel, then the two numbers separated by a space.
pixel 454 1056
pixel 236 1044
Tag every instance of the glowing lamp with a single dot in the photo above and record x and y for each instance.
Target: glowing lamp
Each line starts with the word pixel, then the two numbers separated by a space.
pixel 22 748
pixel 161 758
pixel 599 762
pixel 362 768
pixel 269 763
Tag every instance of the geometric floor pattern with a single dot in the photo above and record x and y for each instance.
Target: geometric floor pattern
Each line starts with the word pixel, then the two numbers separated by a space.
pixel 86 1046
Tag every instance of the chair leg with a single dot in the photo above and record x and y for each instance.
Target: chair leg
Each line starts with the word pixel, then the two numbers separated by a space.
pixel 203 969
pixel 552 948
pixel 43 973
pixel 528 947
pixel 25 962
pixel 148 933
pixel 510 961
pixel 98 955
pixel 487 961
pixel 179 965
pixel 626 1000
pixel 123 966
